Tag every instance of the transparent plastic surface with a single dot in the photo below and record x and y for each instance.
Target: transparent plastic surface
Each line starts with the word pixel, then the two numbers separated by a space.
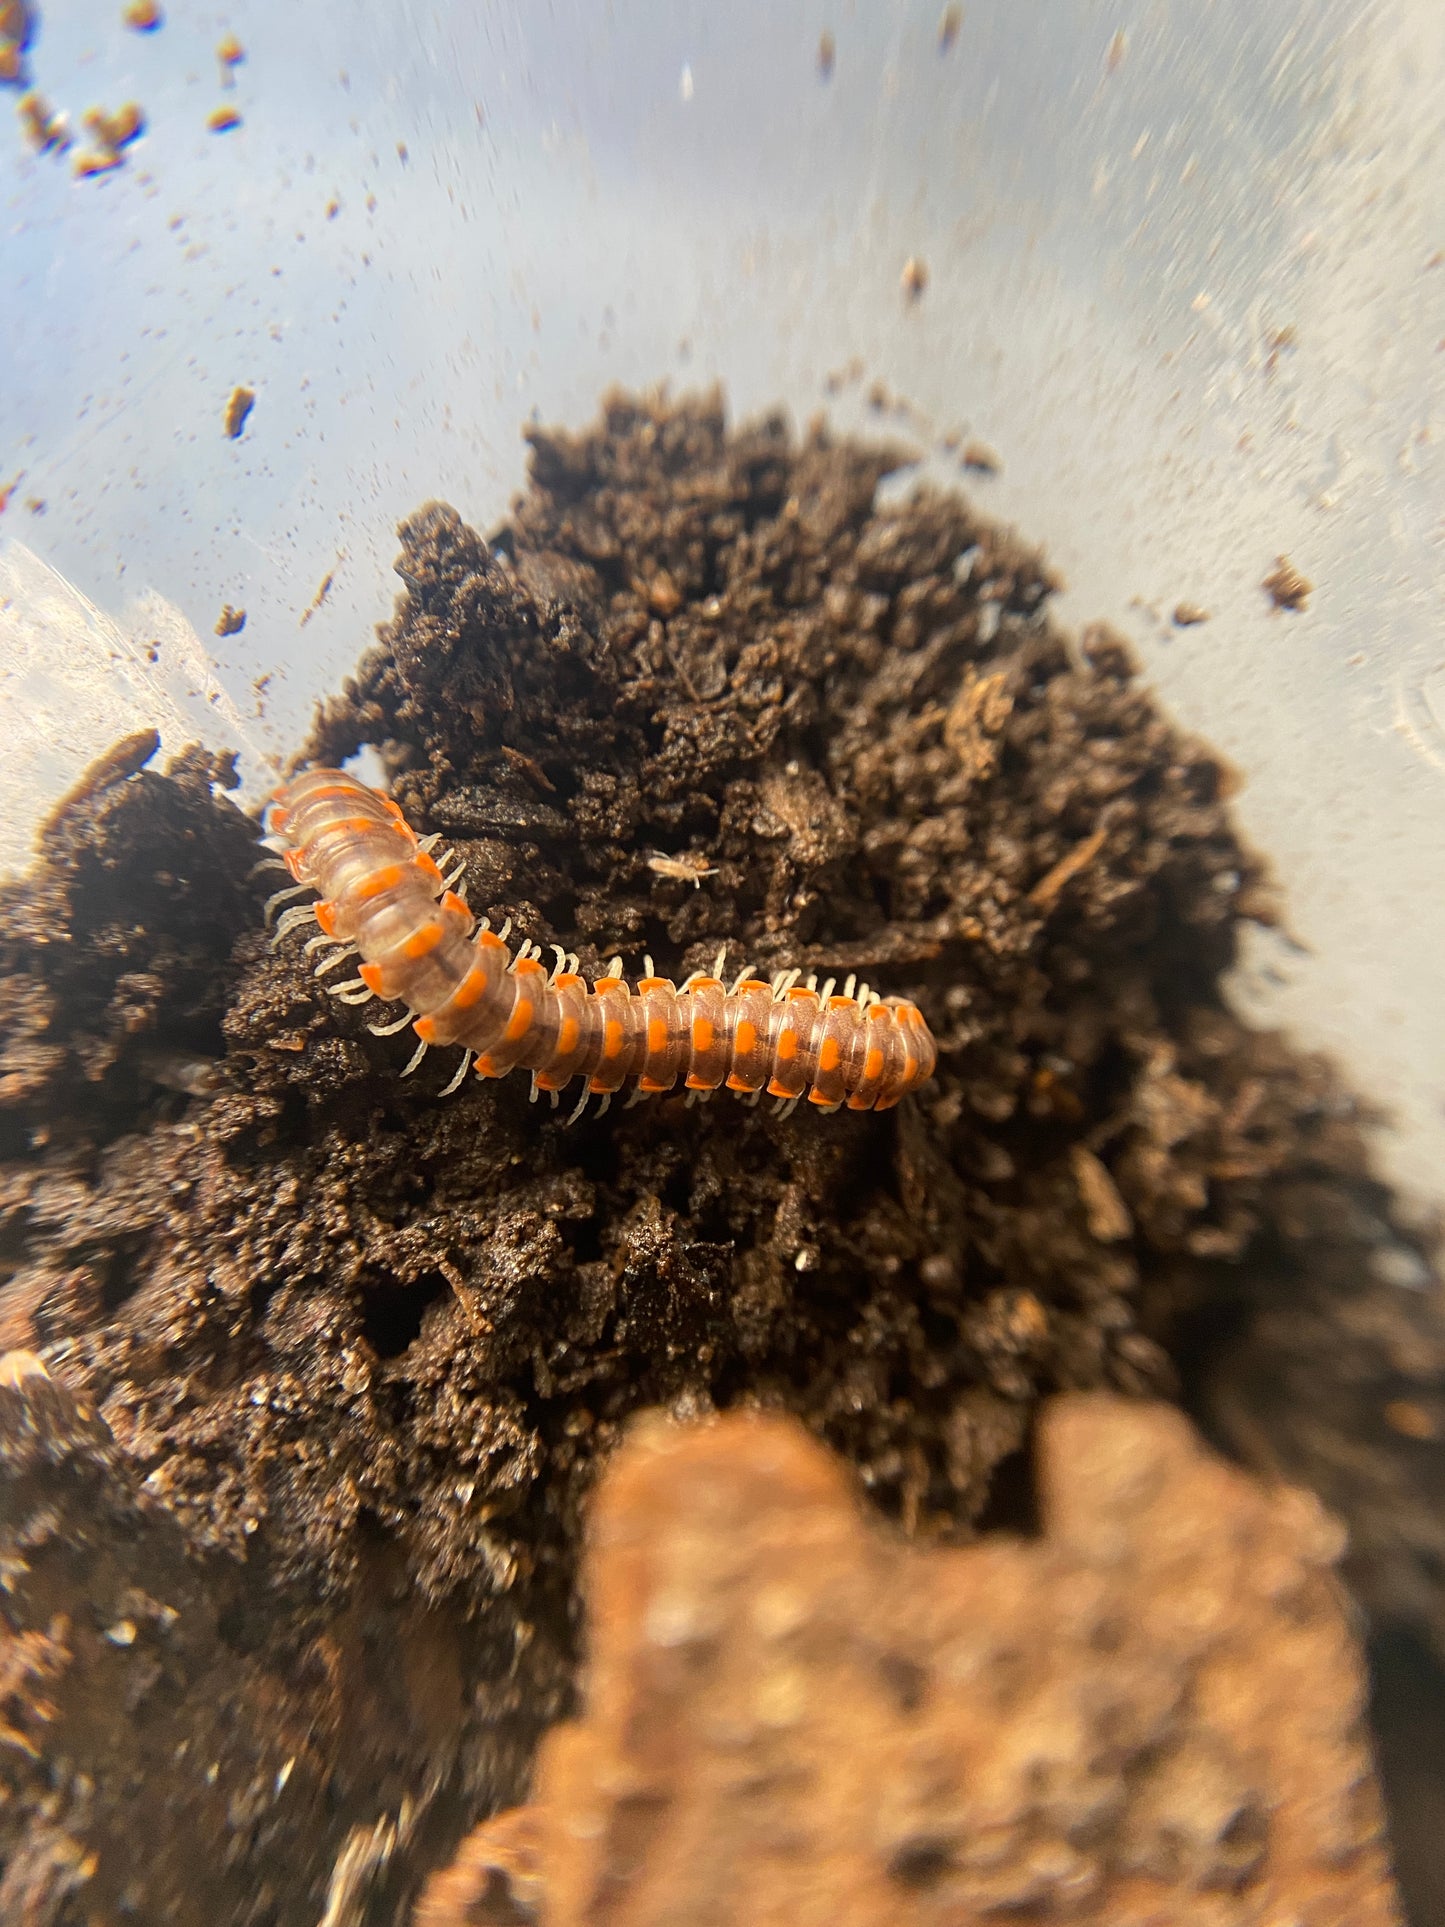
pixel 1184 273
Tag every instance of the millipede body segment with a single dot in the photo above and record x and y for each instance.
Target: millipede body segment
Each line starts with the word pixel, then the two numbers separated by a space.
pixel 384 897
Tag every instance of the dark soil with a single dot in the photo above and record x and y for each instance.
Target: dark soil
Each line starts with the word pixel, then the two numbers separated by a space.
pixel 359 1350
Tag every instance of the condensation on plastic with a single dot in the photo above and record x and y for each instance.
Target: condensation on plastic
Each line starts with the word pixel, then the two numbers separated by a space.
pixel 1183 274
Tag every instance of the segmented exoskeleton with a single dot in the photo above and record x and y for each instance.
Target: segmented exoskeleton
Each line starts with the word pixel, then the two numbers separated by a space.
pixel 383 896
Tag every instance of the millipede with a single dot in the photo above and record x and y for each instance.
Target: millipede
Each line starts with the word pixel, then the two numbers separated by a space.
pixel 381 895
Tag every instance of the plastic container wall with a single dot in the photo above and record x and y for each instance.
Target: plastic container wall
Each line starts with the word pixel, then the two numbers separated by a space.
pixel 1184 273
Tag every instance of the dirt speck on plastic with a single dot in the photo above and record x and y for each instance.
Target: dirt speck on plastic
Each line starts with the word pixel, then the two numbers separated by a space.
pixel 238 409
pixel 369 1348
pixel 1286 587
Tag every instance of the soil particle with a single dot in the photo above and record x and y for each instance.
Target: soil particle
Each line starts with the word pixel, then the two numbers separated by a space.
pixel 17 30
pixel 1286 587
pixel 328 1318
pixel 981 459
pixel 112 132
pixel 238 408
pixel 45 129
pixel 316 601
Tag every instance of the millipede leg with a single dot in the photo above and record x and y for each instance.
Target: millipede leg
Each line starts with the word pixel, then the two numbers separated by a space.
pixel 456 1082
pixel 362 996
pixel 284 896
pixel 417 1055
pixel 330 963
pixel 581 1107
pixel 293 919
pixel 647 969
pixel 266 863
pixel 849 983
pixel 606 1100
pixel 390 1030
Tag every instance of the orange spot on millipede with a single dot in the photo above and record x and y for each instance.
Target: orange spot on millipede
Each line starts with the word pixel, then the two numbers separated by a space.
pixel 469 990
pixel 378 882
pixel 520 1021
pixel 421 942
